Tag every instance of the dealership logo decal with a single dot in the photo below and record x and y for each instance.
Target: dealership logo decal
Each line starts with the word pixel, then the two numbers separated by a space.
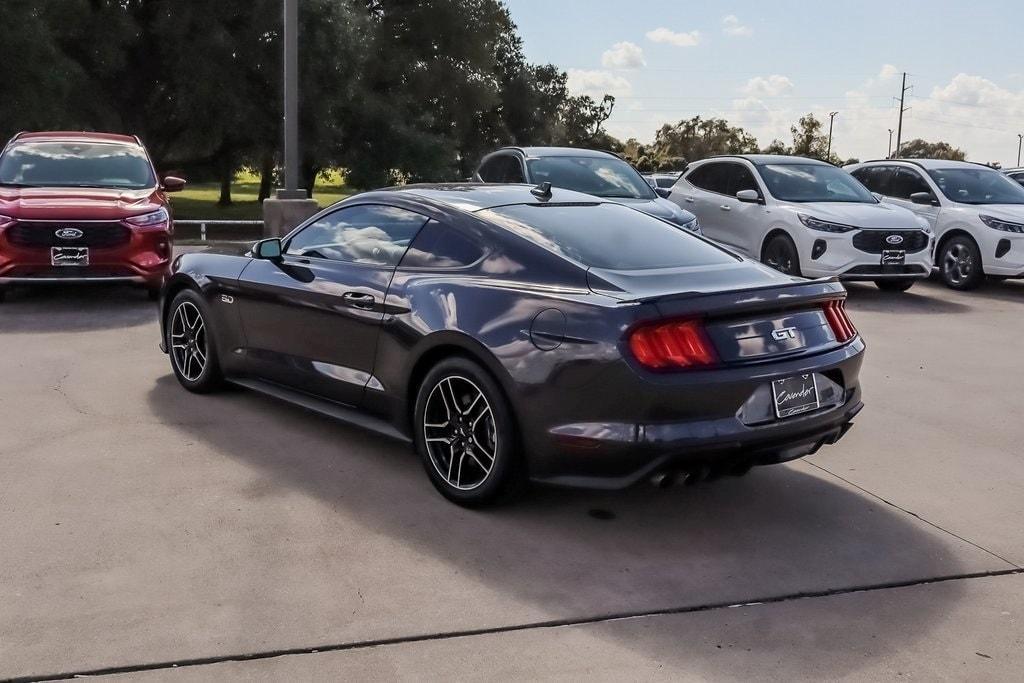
pixel 69 233
pixel 894 239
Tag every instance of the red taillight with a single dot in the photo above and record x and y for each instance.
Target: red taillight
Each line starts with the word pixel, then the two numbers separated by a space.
pixel 676 344
pixel 839 321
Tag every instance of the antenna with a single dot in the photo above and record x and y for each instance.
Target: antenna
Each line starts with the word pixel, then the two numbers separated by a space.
pixel 542 191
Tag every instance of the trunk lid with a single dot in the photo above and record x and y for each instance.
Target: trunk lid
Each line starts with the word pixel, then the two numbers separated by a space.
pixel 750 312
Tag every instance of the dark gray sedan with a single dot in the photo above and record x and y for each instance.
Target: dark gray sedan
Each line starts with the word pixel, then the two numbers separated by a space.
pixel 516 333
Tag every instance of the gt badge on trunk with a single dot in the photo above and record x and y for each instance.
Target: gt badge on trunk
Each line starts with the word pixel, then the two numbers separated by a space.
pixel 795 395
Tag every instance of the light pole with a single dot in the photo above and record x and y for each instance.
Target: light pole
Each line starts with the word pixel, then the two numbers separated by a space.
pixel 1020 139
pixel 291 103
pixel 831 118
pixel 888 155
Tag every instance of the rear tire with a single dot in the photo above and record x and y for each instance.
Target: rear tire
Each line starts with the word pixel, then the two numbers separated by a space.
pixel 780 253
pixel 959 264
pixel 465 434
pixel 191 345
pixel 894 285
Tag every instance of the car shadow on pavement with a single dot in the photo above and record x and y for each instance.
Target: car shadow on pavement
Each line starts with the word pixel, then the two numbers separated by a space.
pixel 921 299
pixel 564 554
pixel 74 308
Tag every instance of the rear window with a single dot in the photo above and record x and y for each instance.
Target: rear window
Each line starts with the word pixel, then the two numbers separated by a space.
pixel 607 236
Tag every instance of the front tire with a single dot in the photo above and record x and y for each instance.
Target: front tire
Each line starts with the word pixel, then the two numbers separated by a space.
pixel 960 264
pixel 894 285
pixel 780 253
pixel 466 436
pixel 191 345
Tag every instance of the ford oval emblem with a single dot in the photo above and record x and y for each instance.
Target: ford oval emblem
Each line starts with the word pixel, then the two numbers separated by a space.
pixel 69 233
pixel 894 239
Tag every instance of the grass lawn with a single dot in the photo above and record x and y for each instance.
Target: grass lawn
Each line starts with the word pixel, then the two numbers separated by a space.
pixel 199 200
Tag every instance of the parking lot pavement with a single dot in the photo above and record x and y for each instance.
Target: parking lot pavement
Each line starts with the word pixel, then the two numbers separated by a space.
pixel 143 526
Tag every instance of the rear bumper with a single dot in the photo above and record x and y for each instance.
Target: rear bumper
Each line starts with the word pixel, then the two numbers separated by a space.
pixel 721 418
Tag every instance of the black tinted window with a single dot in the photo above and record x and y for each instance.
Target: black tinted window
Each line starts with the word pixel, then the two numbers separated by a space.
pixel 876 178
pixel 711 177
pixel 76 164
pixel 439 246
pixel 359 234
pixel 906 182
pixel 502 169
pixel 742 179
pixel 607 236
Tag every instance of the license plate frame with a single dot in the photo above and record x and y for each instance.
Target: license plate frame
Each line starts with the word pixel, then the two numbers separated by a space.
pixel 795 395
pixel 894 257
pixel 69 257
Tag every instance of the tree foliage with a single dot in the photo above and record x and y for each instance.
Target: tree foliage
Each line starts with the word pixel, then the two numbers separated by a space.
pixel 390 89
pixel 921 149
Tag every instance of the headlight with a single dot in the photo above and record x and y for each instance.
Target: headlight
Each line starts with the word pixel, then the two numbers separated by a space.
pixel 692 226
pixel 148 219
pixel 824 226
pixel 998 224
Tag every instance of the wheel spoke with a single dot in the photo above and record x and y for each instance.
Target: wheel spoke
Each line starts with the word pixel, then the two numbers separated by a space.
pixel 458 432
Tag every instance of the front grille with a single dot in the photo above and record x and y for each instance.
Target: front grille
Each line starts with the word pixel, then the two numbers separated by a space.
pixel 44 235
pixel 874 241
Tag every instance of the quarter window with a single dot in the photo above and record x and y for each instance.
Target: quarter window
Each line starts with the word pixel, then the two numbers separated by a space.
pixel 372 234
pixel 439 246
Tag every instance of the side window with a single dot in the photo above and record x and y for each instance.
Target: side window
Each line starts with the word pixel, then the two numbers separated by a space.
pixel 712 177
pixel 1019 177
pixel 440 246
pixel 906 182
pixel 373 234
pixel 743 179
pixel 876 178
pixel 503 168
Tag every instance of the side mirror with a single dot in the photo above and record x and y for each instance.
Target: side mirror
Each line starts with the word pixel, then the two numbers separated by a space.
pixel 269 249
pixel 877 196
pixel 173 184
pixel 663 192
pixel 749 196
pixel 925 198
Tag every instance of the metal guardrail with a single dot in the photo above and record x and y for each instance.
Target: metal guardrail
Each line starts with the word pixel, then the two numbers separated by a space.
pixel 203 223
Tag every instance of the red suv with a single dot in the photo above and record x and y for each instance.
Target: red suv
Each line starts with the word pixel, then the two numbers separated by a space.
pixel 83 207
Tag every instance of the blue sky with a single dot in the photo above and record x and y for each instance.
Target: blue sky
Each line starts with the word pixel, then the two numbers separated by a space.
pixel 763 64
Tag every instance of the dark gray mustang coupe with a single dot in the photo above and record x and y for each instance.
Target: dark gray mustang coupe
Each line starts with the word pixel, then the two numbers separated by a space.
pixel 516 333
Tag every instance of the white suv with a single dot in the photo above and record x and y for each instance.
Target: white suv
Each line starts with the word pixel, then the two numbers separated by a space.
pixel 805 217
pixel 976 212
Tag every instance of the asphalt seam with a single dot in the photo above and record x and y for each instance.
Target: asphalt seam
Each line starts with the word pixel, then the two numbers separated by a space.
pixel 916 516
pixel 467 633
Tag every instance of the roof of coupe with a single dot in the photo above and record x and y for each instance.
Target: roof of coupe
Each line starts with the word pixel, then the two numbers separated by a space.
pixel 473 197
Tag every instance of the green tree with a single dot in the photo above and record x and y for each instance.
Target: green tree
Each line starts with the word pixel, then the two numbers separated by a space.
pixel 698 138
pixel 921 149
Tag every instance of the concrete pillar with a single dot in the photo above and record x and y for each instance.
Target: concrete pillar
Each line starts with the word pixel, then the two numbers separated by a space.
pixel 281 215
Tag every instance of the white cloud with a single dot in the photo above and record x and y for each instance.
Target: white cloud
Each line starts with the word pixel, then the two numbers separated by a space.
pixel 624 55
pixel 770 86
pixel 731 26
pixel 888 72
pixel 597 83
pixel 664 35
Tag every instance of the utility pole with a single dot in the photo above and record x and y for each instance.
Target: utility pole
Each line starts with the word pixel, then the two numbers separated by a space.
pixel 888 155
pixel 291 102
pixel 831 118
pixel 290 205
pixel 1020 140
pixel 899 127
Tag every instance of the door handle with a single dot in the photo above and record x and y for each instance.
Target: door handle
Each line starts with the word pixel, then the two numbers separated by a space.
pixel 690 199
pixel 723 207
pixel 359 300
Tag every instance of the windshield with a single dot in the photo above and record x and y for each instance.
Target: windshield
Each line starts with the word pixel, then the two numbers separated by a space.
pixel 977 186
pixel 76 164
pixel 607 236
pixel 813 183
pixel 607 177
